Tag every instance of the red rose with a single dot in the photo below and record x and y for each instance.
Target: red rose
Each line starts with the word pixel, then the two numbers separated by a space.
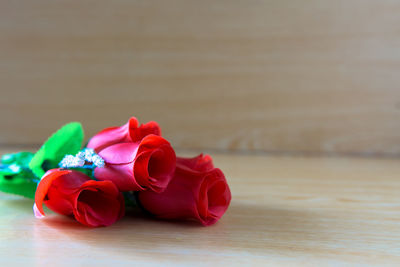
pixel 68 192
pixel 130 132
pixel 148 164
pixel 136 157
pixel 197 191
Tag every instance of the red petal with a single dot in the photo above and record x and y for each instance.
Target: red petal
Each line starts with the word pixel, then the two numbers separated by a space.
pixel 44 185
pixel 121 175
pixel 192 194
pixel 201 163
pixel 154 168
pixel 137 134
pixel 99 204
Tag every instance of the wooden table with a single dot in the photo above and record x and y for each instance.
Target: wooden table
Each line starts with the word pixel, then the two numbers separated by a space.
pixel 285 210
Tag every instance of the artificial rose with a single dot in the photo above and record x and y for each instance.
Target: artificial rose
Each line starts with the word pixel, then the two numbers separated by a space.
pixel 198 191
pixel 148 164
pixel 130 132
pixel 68 192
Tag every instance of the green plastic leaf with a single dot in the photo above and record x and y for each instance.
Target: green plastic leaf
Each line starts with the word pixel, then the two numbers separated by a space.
pixel 20 158
pixel 21 184
pixel 15 175
pixel 67 140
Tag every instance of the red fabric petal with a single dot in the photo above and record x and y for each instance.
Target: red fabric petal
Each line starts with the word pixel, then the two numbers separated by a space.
pixel 120 174
pixel 153 168
pixel 200 163
pixel 137 134
pixel 137 166
pixel 130 132
pixel 44 185
pixel 215 196
pixel 192 194
pixel 58 202
pixel 98 204
pixel 93 203
pixel 152 141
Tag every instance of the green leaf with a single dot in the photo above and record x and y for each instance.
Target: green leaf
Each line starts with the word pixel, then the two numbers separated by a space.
pixel 15 175
pixel 20 158
pixel 67 140
pixel 23 183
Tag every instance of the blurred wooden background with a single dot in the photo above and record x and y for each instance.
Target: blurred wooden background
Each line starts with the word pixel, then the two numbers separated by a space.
pixel 277 76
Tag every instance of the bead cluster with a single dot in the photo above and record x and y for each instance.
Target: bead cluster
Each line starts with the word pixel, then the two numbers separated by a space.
pixel 80 159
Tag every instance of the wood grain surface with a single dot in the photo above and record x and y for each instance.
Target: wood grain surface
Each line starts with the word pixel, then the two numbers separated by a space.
pixel 286 211
pixel 293 76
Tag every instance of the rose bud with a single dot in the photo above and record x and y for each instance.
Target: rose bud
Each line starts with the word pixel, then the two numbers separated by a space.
pixel 130 132
pixel 198 191
pixel 72 193
pixel 148 164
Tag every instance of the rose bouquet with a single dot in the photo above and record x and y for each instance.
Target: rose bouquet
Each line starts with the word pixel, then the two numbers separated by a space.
pixel 120 166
